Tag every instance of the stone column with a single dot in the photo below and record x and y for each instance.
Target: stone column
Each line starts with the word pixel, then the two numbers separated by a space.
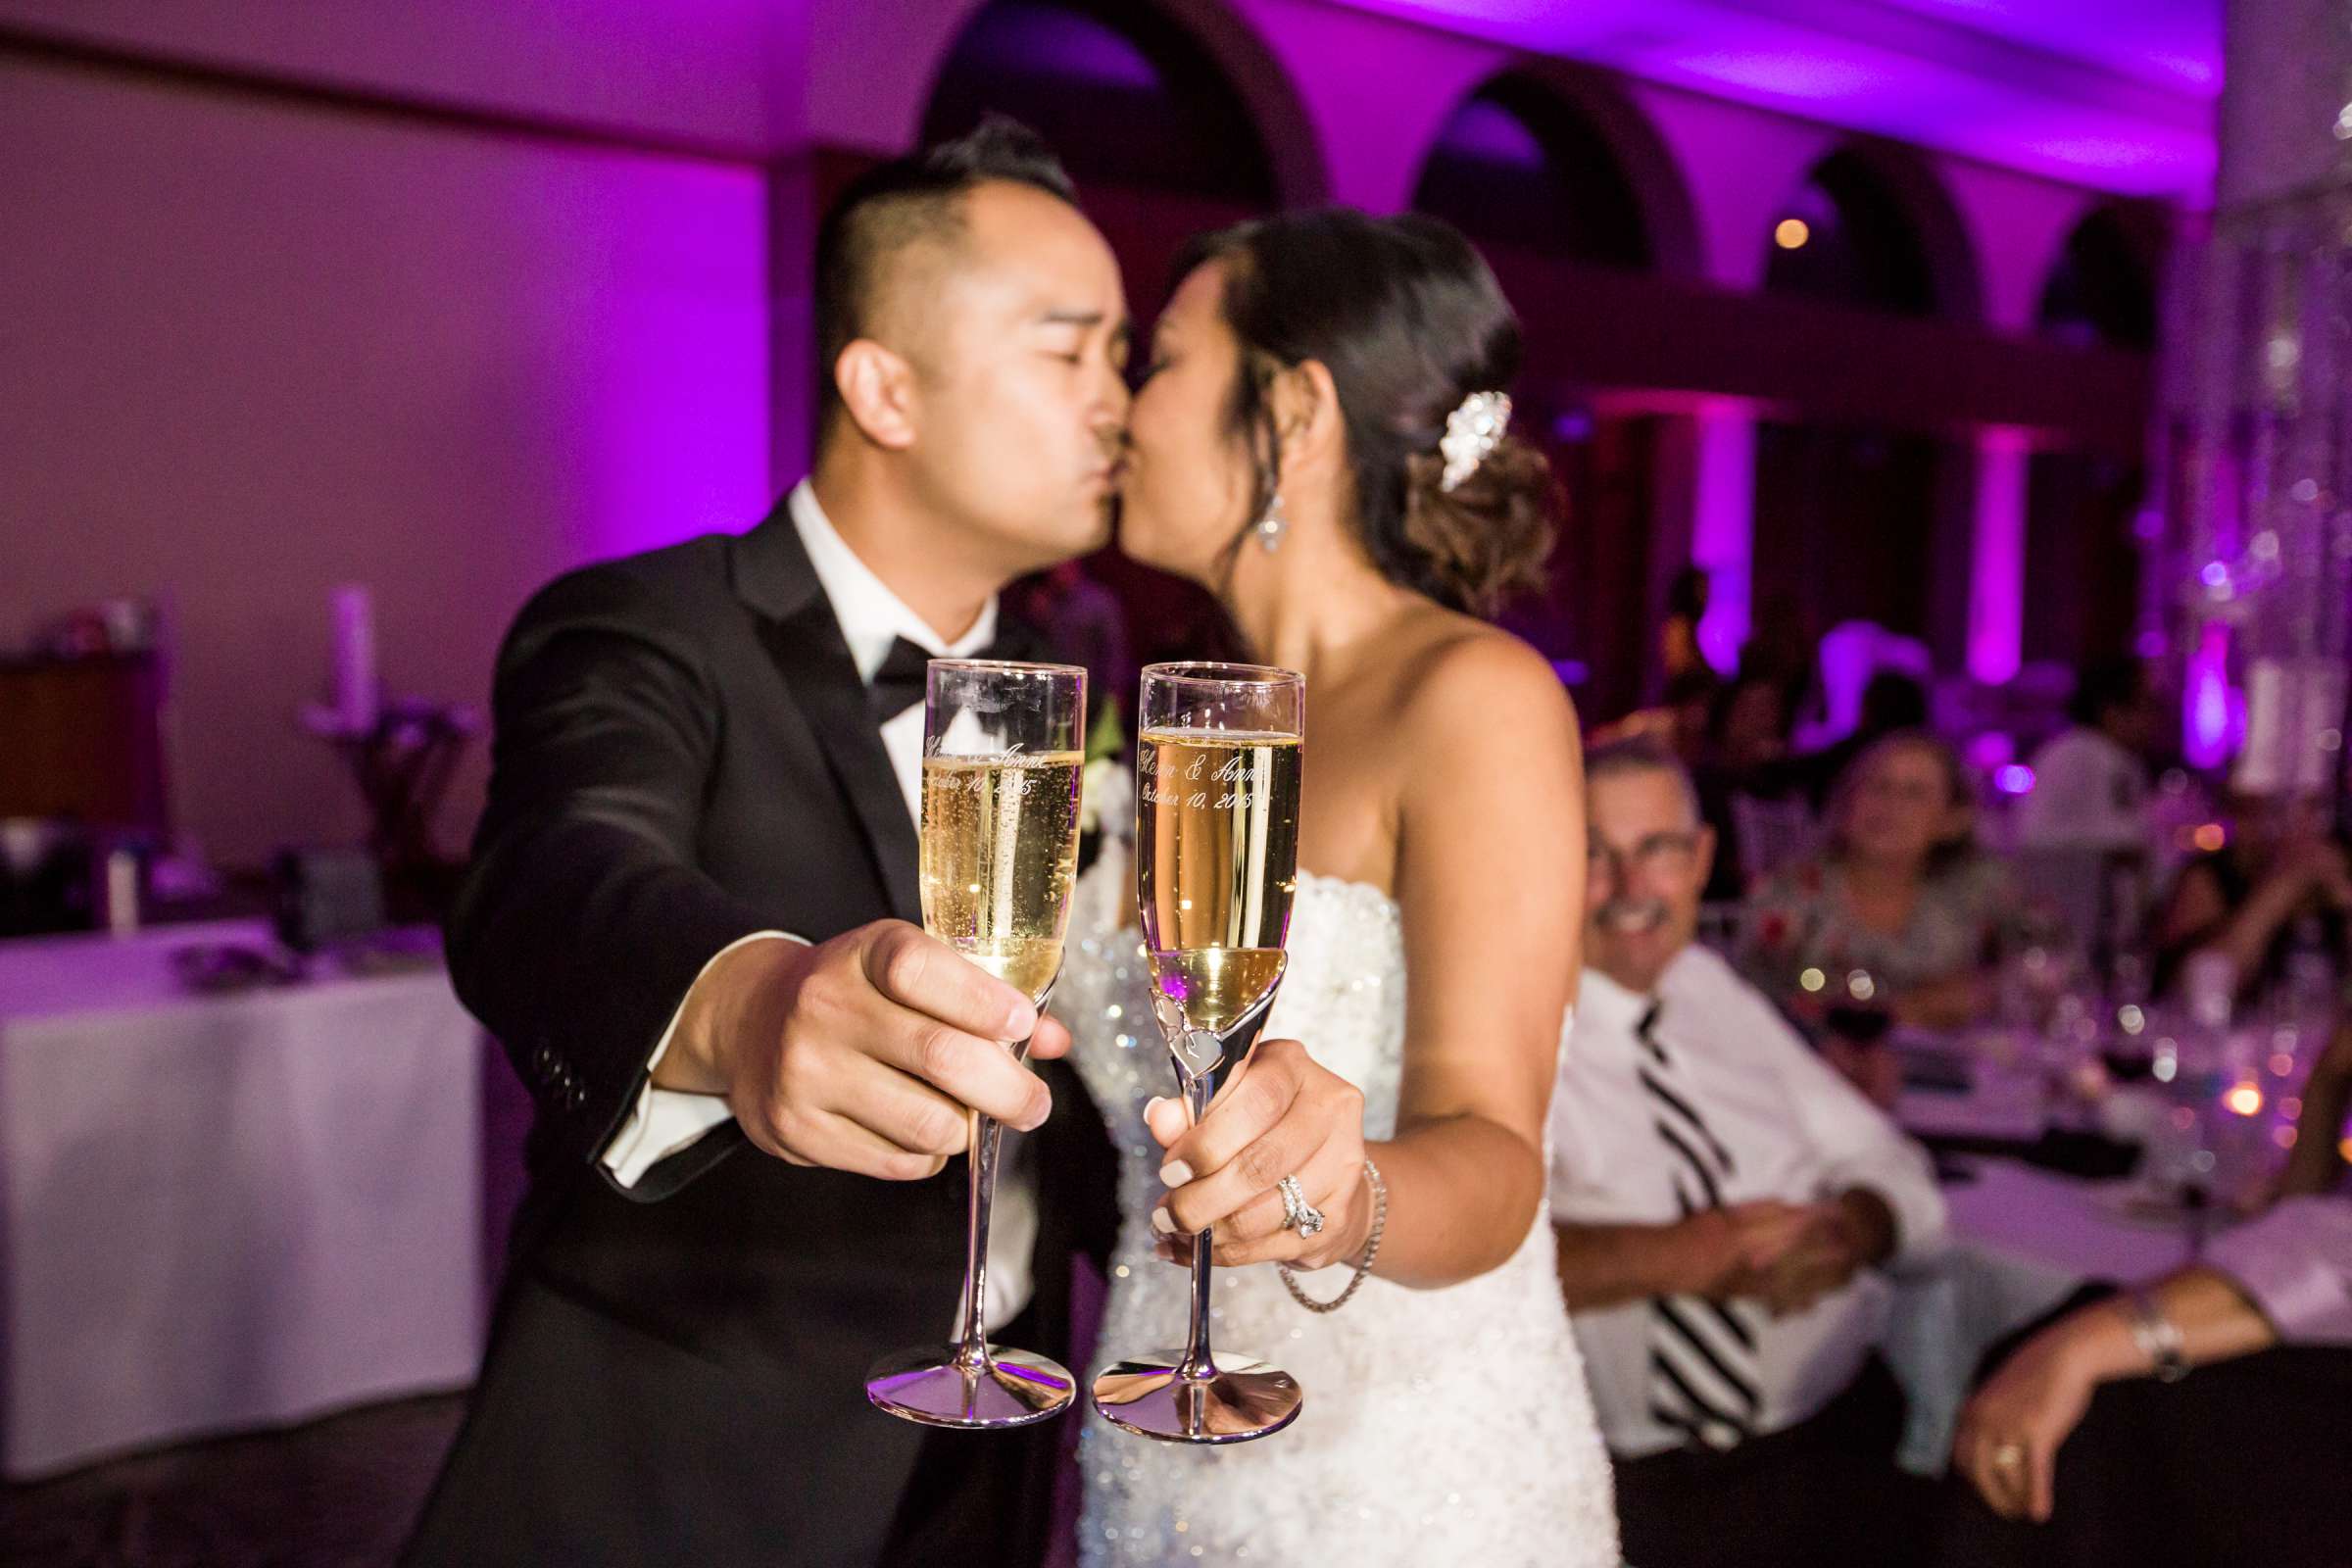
pixel 1996 556
pixel 1723 522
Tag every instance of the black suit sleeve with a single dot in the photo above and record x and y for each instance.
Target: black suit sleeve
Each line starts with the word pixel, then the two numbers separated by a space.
pixel 583 918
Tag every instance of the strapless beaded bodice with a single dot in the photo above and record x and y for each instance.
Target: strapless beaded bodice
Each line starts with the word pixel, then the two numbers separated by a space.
pixel 1439 1426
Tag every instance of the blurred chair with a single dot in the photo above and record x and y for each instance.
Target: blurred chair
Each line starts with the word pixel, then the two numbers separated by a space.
pixel 1772 834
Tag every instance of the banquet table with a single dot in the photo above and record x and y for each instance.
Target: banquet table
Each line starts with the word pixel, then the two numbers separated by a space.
pixel 231 1209
pixel 2021 1241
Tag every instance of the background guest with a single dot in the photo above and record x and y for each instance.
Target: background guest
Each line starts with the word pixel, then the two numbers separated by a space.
pixel 1723 1203
pixel 1892 703
pixel 2280 879
pixel 1901 892
pixel 1679 652
pixel 1746 741
pixel 2091 780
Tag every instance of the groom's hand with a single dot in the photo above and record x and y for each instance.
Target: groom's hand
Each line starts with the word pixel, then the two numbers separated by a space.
pixel 862 1053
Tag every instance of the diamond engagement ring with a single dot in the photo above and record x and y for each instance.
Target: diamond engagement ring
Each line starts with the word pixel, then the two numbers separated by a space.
pixel 1298 1214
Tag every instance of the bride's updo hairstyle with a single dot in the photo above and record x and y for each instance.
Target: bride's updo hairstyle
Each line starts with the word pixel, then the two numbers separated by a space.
pixel 1410 323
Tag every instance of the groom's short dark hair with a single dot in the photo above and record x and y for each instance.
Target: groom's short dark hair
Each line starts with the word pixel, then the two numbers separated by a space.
pixel 918 199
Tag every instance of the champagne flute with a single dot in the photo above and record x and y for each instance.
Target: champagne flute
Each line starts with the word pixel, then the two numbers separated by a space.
pixel 1216 863
pixel 1002 753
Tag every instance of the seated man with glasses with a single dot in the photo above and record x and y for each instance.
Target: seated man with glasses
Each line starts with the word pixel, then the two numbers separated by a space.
pixel 1724 1202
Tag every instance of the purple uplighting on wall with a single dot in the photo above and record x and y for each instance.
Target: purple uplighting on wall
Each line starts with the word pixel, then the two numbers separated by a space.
pixel 673 440
pixel 1723 535
pixel 1996 586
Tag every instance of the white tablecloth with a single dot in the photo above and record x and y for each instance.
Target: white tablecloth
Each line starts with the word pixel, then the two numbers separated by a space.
pixel 226 1211
pixel 2023 1239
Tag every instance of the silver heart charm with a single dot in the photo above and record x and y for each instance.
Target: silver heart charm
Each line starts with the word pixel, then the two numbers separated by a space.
pixel 1198 1052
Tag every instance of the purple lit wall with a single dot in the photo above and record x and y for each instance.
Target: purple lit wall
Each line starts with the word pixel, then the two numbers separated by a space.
pixel 262 348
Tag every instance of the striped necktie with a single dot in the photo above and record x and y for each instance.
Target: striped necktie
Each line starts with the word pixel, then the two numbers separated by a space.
pixel 1702 1353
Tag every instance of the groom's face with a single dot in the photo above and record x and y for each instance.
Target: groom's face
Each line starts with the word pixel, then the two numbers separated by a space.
pixel 1019 355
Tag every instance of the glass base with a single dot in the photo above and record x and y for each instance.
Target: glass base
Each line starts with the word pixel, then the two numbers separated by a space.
pixel 1246 1399
pixel 930 1386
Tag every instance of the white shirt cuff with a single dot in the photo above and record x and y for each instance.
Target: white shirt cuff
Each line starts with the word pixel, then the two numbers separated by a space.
pixel 664 1121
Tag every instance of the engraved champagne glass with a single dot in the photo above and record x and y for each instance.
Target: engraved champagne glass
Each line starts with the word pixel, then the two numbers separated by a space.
pixel 1216 866
pixel 1003 752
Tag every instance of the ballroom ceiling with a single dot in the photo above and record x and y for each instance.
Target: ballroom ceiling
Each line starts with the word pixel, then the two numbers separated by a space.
pixel 2113 93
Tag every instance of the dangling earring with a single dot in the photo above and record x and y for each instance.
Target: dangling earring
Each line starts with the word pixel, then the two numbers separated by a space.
pixel 1271 524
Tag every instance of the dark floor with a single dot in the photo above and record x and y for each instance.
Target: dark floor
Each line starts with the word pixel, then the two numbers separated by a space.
pixel 339 1493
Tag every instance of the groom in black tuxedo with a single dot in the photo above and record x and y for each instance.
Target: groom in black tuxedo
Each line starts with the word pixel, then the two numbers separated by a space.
pixel 689 918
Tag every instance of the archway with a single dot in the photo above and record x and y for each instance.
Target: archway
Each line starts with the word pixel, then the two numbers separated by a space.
pixel 1519 165
pixel 1085 74
pixel 1547 167
pixel 1871 227
pixel 2080 508
pixel 2102 287
pixel 1859 520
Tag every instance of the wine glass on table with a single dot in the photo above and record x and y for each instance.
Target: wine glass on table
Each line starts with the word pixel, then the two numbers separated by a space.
pixel 1217 768
pixel 1002 753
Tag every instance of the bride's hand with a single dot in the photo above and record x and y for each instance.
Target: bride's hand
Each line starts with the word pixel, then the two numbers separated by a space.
pixel 1282 1116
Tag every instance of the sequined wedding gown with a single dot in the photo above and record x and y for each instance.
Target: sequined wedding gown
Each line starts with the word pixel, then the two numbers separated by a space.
pixel 1439 1427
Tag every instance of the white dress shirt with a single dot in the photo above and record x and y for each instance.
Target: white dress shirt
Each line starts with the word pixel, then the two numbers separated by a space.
pixel 1797 1132
pixel 2295 1263
pixel 2088 791
pixel 873 618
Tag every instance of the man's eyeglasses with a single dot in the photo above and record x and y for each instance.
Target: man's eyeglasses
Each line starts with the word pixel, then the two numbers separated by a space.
pixel 1660 854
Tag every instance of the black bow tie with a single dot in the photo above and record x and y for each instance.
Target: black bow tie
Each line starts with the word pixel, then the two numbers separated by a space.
pixel 900 681
pixel 899 684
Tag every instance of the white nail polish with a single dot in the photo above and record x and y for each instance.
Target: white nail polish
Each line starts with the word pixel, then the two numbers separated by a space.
pixel 1161 1222
pixel 1175 1173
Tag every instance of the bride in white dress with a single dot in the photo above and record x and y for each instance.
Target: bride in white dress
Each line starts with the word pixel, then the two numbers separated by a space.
pixel 1291 449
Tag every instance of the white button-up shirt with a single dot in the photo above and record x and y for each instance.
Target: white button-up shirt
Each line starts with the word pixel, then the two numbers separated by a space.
pixel 1797 1132
pixel 873 618
pixel 2087 791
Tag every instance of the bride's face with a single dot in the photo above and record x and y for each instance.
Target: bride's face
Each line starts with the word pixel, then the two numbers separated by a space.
pixel 1187 481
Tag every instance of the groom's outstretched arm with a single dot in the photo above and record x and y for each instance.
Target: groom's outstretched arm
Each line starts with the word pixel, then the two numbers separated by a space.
pixel 583 920
pixel 584 926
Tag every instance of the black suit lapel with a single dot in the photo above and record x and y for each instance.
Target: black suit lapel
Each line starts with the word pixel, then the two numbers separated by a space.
pixel 773 576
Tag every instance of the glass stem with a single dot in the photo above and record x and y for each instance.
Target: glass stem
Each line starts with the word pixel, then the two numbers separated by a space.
pixel 1197 1363
pixel 984 1139
pixel 983 1136
pixel 1200 1088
